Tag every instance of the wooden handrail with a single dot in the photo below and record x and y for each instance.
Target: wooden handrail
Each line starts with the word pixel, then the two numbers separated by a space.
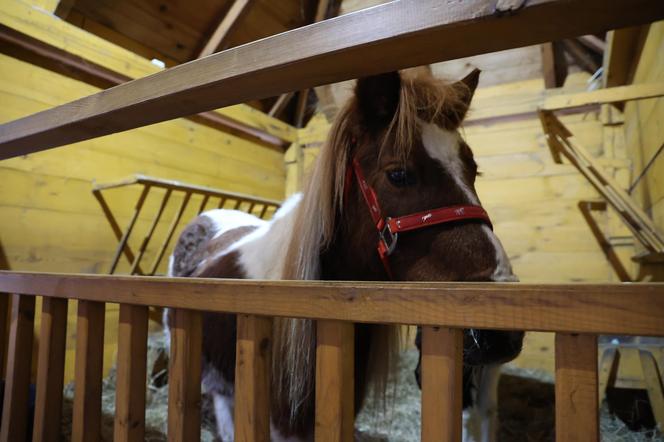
pixel 631 309
pixel 375 40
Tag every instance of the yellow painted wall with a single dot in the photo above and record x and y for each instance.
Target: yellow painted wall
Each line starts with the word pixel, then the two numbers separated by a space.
pixel 644 132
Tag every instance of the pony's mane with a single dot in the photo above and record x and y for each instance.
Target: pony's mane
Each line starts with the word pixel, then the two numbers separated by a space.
pixel 421 99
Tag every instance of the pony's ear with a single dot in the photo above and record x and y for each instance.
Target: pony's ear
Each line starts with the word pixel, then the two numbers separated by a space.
pixel 378 98
pixel 465 89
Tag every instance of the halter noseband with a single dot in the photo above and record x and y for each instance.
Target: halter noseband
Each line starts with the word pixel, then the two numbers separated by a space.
pixel 389 228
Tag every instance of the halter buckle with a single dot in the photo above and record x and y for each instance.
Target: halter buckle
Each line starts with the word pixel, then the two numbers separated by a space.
pixel 388 238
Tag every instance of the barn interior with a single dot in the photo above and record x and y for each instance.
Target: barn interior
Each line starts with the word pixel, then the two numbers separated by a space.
pixel 116 204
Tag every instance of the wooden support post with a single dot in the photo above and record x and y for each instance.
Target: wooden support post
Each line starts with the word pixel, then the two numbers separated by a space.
pixel 171 230
pixel 19 361
pixel 88 370
pixel 50 370
pixel 4 330
pixel 442 381
pixel 577 413
pixel 252 378
pixel 148 235
pixel 335 394
pixel 554 65
pixel 131 374
pixel 130 227
pixel 184 371
pixel 654 386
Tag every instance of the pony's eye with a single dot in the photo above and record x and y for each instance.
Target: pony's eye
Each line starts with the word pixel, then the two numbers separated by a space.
pixel 401 177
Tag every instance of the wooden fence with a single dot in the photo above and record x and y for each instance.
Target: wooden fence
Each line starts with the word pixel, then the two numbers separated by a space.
pixel 391 36
pixel 575 312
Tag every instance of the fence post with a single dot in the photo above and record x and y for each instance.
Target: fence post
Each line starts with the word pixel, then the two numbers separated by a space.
pixel 88 370
pixel 335 394
pixel 184 376
pixel 19 361
pixel 252 379
pixel 131 374
pixel 576 388
pixel 50 370
pixel 442 382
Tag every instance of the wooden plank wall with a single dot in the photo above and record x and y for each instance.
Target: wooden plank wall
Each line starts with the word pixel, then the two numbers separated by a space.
pixel 644 132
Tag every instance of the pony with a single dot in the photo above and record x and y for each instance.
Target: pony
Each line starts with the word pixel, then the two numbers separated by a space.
pixel 395 149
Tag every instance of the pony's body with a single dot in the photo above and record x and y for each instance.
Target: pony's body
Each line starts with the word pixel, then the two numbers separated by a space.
pixel 392 124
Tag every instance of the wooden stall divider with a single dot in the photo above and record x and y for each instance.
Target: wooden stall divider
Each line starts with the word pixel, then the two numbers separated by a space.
pixel 5 311
pixel 131 374
pixel 171 230
pixel 442 380
pixel 19 361
pixel 335 374
pixel 50 370
pixel 577 412
pixel 252 378
pixel 88 371
pixel 184 376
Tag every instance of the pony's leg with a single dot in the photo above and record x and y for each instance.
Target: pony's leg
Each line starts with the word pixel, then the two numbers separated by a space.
pixel 480 421
pixel 223 413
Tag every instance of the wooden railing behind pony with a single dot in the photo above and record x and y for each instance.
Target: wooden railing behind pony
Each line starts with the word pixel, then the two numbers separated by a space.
pixel 209 199
pixel 392 36
pixel 575 312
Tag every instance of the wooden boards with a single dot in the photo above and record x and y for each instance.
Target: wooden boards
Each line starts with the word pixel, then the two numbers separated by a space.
pixel 632 309
pixel 375 40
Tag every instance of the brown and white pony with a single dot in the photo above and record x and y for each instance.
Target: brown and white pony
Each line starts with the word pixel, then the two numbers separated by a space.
pixel 402 134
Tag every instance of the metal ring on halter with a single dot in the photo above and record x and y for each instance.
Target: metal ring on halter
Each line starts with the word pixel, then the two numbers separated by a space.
pixel 386 233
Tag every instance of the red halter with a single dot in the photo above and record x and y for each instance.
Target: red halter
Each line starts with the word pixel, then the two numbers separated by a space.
pixel 389 228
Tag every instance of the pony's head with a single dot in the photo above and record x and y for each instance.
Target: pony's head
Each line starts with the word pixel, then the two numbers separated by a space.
pixel 402 132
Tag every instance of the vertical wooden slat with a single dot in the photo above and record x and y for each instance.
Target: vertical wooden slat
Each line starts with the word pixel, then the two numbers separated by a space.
pixel 204 202
pixel 50 370
pixel 4 330
pixel 184 378
pixel 252 379
pixel 263 211
pixel 86 425
pixel 19 360
pixel 222 201
pixel 335 381
pixel 130 227
pixel 442 381
pixel 131 374
pixel 237 205
pixel 576 388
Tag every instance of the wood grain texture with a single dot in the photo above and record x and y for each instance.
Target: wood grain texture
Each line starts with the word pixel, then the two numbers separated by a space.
pixel 313 55
pixel 577 412
pixel 86 425
pixel 335 398
pixel 632 309
pixel 19 360
pixel 184 376
pixel 442 382
pixel 252 379
pixel 131 374
pixel 50 370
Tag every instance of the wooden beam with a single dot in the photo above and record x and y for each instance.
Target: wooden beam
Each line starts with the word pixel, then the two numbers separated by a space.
pixel 554 65
pixel 442 384
pixel 632 309
pixel 375 40
pixel 594 43
pixel 228 23
pixel 581 55
pixel 577 411
pixel 623 49
pixel 47 56
pixel 335 389
pixel 281 103
pixel 603 96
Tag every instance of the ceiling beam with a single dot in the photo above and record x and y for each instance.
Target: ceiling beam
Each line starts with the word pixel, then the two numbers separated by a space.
pixel 554 65
pixel 366 42
pixel 40 53
pixel 233 17
pixel 581 55
pixel 622 53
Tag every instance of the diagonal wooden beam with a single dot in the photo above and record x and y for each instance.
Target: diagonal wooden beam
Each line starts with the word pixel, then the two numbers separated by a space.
pixel 233 17
pixel 366 42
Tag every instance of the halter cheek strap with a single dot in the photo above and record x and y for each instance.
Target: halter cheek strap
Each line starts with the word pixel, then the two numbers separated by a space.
pixel 389 228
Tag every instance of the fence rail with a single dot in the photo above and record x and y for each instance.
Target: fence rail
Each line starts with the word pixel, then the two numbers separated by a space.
pixel 576 312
